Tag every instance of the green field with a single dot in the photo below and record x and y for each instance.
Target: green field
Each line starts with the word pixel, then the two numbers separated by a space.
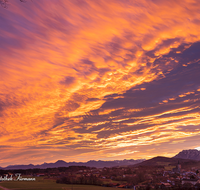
pixel 43 184
pixel 163 163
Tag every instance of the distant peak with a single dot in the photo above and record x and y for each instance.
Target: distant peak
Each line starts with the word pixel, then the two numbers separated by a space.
pixel 190 150
pixel 60 161
pixel 192 154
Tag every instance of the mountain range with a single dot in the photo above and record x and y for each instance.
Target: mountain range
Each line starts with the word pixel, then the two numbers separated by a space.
pixel 91 163
pixel 191 156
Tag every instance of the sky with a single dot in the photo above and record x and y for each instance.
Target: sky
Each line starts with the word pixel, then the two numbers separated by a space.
pixel 88 80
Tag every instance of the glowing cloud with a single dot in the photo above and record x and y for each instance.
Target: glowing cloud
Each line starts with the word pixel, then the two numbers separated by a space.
pixel 88 79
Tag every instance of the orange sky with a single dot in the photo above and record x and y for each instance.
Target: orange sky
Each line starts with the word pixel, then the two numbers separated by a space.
pixel 98 80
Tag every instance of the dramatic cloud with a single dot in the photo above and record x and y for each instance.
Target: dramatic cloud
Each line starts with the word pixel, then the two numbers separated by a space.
pixel 84 79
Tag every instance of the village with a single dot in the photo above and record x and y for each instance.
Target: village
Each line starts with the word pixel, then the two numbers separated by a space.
pixel 138 178
pixel 129 177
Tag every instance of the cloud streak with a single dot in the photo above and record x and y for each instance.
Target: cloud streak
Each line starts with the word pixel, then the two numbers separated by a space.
pixel 88 79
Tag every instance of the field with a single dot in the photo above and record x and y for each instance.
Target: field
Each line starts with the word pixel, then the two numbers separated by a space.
pixel 43 184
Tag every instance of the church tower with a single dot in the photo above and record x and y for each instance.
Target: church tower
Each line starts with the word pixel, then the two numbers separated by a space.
pixel 179 167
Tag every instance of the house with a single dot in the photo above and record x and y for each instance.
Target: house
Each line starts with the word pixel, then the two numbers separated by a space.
pixel 192 181
pixel 122 186
pixel 165 185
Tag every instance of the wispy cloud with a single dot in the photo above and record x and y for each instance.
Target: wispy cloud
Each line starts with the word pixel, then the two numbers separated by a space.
pixel 85 79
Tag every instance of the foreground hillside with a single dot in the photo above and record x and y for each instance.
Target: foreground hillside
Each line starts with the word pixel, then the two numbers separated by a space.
pixel 42 184
pixel 170 162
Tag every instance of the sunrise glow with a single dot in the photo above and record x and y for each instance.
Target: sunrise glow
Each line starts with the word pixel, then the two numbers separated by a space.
pixel 98 80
